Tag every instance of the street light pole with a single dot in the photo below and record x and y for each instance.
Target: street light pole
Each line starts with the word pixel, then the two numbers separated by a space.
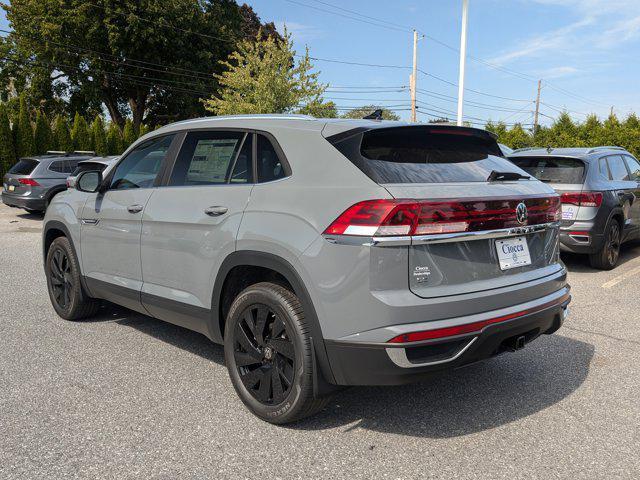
pixel 412 80
pixel 463 58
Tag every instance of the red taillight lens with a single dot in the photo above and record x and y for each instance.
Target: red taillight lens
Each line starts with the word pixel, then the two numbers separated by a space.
pixel 413 217
pixel 584 199
pixel 28 181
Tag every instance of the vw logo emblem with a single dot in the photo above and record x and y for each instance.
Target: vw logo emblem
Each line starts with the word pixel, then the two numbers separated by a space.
pixel 521 213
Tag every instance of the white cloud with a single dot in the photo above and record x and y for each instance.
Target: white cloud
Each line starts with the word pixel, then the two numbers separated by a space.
pixel 557 72
pixel 300 32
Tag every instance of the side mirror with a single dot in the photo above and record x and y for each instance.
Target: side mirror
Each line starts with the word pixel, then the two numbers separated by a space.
pixel 89 181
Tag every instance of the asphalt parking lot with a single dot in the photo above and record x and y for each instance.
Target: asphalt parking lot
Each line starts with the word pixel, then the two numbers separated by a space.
pixel 127 396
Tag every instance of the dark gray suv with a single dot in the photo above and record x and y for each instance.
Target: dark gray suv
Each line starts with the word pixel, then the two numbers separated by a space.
pixel 599 188
pixel 34 181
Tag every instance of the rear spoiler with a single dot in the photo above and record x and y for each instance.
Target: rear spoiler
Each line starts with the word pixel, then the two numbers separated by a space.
pixel 429 129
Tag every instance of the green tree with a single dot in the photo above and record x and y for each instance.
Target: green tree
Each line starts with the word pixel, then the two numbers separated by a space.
pixel 61 135
pixel 144 129
pixel 98 136
pixel 263 77
pixel 24 131
pixel 320 110
pixel 517 137
pixel 114 139
pixel 42 134
pixel 369 109
pixel 71 45
pixel 7 149
pixel 129 134
pixel 80 134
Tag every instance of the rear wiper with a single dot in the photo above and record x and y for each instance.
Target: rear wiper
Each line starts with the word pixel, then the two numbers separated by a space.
pixel 496 176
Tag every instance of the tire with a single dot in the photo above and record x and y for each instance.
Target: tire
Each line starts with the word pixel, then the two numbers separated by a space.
pixel 267 350
pixel 67 296
pixel 607 257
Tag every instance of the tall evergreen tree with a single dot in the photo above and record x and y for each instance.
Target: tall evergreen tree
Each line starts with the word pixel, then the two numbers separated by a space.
pixel 80 134
pixel 61 135
pixel 24 131
pixel 42 134
pixel 114 139
pixel 129 134
pixel 99 136
pixel 7 149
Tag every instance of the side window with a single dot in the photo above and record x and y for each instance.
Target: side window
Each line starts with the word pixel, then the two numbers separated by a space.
pixel 242 170
pixel 617 168
pixel 58 166
pixel 604 170
pixel 140 167
pixel 269 166
pixel 634 167
pixel 71 166
pixel 206 158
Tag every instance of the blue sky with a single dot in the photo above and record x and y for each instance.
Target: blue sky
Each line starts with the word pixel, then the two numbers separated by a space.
pixel 585 50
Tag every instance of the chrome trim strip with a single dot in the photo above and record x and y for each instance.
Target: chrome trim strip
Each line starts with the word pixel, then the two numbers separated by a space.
pixel 90 221
pixel 399 356
pixel 406 240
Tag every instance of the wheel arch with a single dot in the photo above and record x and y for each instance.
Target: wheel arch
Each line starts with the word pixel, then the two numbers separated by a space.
pixel 288 272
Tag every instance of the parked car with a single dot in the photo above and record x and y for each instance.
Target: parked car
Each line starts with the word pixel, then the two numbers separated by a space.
pixel 101 164
pixel 33 181
pixel 600 192
pixel 321 253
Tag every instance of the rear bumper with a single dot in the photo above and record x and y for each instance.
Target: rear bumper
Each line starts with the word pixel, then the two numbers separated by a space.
pixel 29 203
pixel 360 363
pixel 581 241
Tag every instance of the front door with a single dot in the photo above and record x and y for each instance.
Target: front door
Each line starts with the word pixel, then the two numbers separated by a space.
pixel 190 225
pixel 634 170
pixel 112 224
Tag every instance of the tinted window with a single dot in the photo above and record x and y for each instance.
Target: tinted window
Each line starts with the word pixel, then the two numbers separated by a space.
pixel 426 155
pixel 141 166
pixel 634 167
pixel 618 168
pixel 268 162
pixel 206 158
pixel 58 166
pixel 242 170
pixel 24 167
pixel 552 169
pixel 86 167
pixel 604 170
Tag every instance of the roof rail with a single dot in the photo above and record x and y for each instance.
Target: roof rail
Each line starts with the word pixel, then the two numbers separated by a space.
pixel 56 152
pixel 606 147
pixel 84 152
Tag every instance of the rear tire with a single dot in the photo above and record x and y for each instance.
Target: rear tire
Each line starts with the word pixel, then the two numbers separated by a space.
pixel 607 257
pixel 267 350
pixel 67 296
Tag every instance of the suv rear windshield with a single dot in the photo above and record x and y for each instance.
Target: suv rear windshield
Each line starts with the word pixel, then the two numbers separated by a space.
pixel 552 169
pixel 424 154
pixel 24 167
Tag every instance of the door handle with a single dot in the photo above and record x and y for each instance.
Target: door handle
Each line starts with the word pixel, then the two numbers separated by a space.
pixel 215 211
pixel 134 208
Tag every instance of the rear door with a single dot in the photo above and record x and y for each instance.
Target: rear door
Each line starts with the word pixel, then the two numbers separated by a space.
pixel 190 224
pixel 447 171
pixel 625 189
pixel 112 224
pixel 634 176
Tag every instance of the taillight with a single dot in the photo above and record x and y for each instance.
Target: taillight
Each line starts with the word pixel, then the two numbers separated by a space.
pixel 583 199
pixel 413 217
pixel 28 181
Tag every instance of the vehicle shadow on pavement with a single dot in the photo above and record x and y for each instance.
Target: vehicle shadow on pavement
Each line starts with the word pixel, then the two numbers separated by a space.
pixel 469 400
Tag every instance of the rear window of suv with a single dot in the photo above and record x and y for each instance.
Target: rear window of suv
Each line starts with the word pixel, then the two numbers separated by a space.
pixel 425 155
pixel 552 169
pixel 24 167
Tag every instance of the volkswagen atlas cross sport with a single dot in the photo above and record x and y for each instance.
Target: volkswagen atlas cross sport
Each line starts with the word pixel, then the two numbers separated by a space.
pixel 321 253
pixel 600 194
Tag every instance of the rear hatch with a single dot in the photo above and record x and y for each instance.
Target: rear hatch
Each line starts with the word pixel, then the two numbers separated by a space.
pixel 566 176
pixel 17 179
pixel 465 236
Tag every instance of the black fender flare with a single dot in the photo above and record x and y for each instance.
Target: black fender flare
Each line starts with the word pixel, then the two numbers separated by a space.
pixel 284 268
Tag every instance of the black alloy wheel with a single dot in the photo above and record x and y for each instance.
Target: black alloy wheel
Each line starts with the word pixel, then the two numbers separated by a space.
pixel 264 354
pixel 61 279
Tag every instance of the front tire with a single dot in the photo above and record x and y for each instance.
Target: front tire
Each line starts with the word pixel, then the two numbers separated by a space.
pixel 607 257
pixel 67 296
pixel 267 349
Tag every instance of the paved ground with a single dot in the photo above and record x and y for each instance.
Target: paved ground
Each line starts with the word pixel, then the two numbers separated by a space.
pixel 126 396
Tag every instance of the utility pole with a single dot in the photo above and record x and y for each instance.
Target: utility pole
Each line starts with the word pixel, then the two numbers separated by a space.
pixel 463 58
pixel 412 77
pixel 535 116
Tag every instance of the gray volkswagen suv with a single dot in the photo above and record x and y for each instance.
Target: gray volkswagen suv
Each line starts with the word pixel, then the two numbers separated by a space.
pixel 600 193
pixel 33 181
pixel 320 252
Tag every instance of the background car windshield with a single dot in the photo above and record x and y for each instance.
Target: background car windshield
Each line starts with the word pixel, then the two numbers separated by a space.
pixel 552 169
pixel 24 167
